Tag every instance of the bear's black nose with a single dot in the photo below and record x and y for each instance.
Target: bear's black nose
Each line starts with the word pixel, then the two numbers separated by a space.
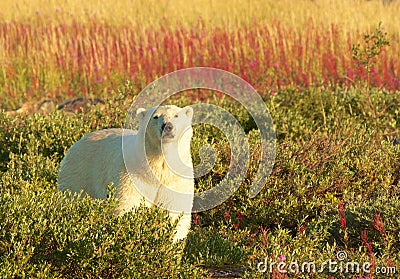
pixel 167 127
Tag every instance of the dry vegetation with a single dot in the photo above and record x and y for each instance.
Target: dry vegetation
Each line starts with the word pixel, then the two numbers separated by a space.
pixel 90 48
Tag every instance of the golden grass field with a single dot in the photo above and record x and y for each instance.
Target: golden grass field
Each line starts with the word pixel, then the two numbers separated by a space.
pixel 53 50
pixel 352 14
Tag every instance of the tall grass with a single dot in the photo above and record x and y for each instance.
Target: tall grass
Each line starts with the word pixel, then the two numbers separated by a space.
pixel 49 59
pixel 54 51
pixel 352 14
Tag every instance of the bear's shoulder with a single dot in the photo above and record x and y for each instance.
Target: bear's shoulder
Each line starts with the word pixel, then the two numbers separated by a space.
pixel 114 133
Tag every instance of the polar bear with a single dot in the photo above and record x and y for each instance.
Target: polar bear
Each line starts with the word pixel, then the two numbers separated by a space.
pixel 153 164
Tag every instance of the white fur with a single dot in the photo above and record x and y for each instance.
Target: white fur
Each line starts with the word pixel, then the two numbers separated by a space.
pixel 97 160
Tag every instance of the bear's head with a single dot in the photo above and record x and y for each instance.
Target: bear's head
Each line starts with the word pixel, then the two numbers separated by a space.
pixel 165 124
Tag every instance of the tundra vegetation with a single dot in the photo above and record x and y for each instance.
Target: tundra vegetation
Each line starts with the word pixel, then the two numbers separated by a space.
pixel 328 72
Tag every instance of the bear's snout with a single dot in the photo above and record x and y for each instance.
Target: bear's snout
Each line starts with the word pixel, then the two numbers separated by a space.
pixel 167 128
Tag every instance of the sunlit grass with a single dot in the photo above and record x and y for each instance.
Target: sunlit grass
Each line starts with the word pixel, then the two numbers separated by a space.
pixel 56 60
pixel 88 48
pixel 353 14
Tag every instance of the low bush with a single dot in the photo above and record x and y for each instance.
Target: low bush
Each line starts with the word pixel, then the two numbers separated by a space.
pixel 334 187
pixel 52 235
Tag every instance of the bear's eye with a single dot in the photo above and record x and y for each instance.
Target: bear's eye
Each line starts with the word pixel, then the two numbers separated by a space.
pixel 176 116
pixel 155 117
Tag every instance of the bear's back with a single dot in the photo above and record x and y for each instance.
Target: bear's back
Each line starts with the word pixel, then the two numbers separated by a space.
pixel 93 162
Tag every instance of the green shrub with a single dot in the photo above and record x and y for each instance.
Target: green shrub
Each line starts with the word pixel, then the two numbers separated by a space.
pixel 331 150
pixel 52 235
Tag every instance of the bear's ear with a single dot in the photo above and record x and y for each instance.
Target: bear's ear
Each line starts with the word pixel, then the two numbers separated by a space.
pixel 188 112
pixel 140 113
